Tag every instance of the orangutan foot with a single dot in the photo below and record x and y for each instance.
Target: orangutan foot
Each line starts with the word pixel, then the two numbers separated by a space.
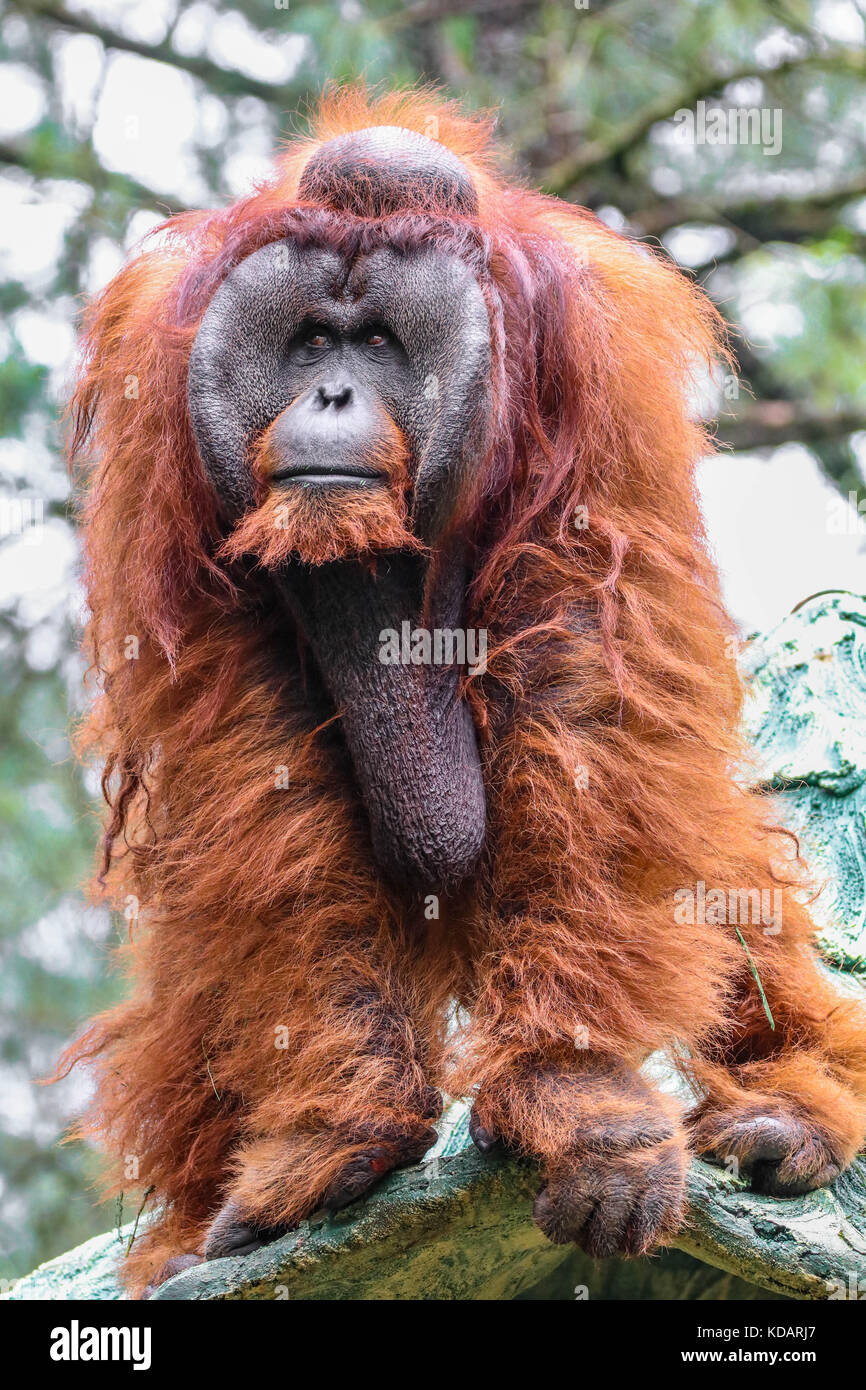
pixel 174 1266
pixel 612 1151
pixel 781 1153
pixel 615 1204
pixel 234 1231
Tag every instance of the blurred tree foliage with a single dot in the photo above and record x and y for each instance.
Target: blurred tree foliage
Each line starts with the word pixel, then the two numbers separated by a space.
pixel 590 99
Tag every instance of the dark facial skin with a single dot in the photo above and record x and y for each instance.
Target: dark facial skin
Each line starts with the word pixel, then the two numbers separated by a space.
pixel 335 424
pixel 345 344
pixel 252 358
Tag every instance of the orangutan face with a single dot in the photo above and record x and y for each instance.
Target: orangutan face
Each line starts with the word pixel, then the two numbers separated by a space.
pixel 347 386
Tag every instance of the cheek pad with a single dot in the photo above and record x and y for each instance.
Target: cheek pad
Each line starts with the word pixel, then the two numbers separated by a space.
pixel 436 308
pixel 237 380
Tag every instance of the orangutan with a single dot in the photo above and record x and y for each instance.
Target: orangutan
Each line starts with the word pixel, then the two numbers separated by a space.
pixel 388 400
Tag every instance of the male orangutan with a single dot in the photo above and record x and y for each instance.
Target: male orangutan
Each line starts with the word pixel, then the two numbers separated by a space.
pixel 390 392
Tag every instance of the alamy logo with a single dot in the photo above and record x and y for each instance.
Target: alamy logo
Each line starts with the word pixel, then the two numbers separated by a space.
pixel 77 1343
pixel 443 646
pixel 737 906
pixel 731 125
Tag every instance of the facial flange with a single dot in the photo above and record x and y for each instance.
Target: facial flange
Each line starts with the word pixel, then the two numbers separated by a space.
pixel 255 355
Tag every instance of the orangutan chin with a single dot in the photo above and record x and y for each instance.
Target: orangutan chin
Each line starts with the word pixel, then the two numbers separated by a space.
pixel 392 387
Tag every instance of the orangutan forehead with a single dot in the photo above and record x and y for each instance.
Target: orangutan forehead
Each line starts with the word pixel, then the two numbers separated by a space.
pixel 423 295
pixel 385 169
pixel 351 287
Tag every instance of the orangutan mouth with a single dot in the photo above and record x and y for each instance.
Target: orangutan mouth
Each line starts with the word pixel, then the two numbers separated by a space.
pixel 330 475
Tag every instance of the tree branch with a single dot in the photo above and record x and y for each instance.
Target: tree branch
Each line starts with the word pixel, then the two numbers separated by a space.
pixel 79 162
pixel 767 424
pixel 765 219
pixel 226 80
pixel 435 11
pixel 562 177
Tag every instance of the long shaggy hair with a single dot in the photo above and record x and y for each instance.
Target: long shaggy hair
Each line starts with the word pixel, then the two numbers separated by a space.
pixel 607 715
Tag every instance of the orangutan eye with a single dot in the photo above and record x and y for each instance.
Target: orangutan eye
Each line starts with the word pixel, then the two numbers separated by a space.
pixel 317 338
pixel 376 338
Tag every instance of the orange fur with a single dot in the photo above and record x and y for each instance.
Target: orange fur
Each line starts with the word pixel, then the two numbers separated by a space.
pixel 610 708
pixel 343 526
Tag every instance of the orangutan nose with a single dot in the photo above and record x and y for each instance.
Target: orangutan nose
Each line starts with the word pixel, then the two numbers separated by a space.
pixel 337 396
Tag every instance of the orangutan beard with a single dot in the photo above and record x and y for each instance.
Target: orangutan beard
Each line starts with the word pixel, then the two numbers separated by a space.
pixel 318 525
